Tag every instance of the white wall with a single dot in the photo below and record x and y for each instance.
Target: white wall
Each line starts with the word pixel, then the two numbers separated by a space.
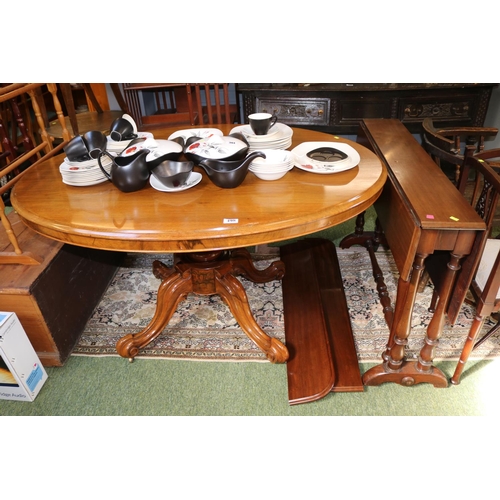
pixel 493 118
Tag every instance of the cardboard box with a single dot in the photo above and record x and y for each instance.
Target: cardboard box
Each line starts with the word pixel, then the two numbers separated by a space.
pixel 21 373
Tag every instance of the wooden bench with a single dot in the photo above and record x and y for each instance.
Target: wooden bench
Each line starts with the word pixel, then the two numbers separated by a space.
pixel 318 329
pixel 55 299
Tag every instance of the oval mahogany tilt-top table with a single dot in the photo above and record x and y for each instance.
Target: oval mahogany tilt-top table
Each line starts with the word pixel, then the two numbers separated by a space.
pixel 207 227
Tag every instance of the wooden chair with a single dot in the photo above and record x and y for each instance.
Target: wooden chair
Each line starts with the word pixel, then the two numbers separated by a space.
pixel 15 247
pixel 211 104
pixel 470 184
pixel 445 144
pixel 16 134
pixel 97 118
pixel 154 105
pixel 161 104
pixel 485 287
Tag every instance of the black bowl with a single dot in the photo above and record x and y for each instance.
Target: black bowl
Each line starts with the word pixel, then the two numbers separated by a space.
pixel 229 173
pixel 173 174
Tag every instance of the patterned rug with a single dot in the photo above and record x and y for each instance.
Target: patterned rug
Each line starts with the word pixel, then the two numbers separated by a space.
pixel 204 329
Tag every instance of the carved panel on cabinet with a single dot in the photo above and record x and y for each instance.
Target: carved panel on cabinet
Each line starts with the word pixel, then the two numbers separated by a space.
pixel 412 111
pixel 293 111
pixel 339 108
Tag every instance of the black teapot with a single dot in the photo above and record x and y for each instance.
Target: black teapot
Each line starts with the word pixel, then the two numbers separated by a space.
pixel 128 172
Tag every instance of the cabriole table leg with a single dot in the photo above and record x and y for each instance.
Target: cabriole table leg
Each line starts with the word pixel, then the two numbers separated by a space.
pixel 208 273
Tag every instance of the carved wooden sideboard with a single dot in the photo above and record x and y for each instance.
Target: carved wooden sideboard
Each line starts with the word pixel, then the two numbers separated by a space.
pixel 339 107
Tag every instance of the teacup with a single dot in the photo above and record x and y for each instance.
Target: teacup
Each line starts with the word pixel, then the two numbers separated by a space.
pixel 262 122
pixel 76 149
pixel 122 130
pixel 96 142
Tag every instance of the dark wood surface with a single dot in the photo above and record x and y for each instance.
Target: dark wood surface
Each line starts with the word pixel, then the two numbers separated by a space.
pixel 318 330
pixel 339 107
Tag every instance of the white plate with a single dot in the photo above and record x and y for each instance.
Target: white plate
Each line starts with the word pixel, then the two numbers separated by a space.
pixel 282 139
pixel 83 184
pixel 83 166
pixel 247 131
pixel 204 133
pixel 283 133
pixel 83 178
pixel 302 161
pixel 193 179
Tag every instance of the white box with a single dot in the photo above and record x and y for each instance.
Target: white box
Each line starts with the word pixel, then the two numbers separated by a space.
pixel 21 373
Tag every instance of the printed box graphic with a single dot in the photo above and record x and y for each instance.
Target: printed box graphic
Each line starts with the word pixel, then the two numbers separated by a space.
pixel 21 373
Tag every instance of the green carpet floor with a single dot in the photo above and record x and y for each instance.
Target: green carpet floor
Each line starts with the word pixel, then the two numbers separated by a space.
pixel 113 386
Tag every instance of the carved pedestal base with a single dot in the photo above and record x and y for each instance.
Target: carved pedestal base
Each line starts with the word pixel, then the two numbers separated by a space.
pixel 208 273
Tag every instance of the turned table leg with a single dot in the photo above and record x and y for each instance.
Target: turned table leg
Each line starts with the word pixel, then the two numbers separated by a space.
pixel 395 368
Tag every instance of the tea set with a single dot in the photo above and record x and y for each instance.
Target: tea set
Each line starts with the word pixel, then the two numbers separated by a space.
pixel 130 159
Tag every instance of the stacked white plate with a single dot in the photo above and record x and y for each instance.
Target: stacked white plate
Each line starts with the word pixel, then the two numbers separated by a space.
pixel 274 166
pixel 84 173
pixel 278 137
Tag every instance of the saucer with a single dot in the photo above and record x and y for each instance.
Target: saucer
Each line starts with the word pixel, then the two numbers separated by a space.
pixel 193 179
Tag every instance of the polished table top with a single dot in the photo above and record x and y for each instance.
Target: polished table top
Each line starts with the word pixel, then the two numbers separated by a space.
pixel 204 217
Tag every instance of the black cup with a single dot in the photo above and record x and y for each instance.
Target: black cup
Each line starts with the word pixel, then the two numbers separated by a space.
pixel 262 122
pixel 96 142
pixel 76 149
pixel 122 130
